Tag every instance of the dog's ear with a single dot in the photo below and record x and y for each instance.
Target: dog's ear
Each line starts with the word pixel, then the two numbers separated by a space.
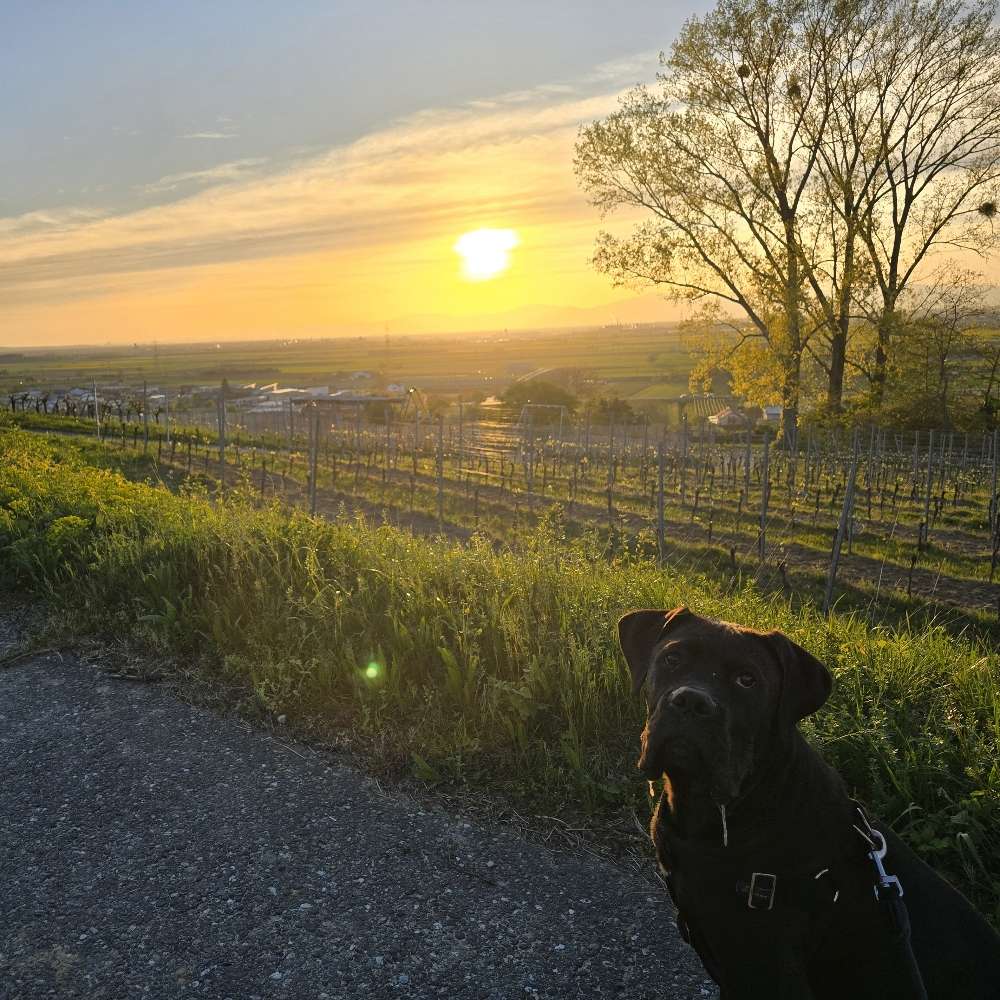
pixel 638 632
pixel 805 682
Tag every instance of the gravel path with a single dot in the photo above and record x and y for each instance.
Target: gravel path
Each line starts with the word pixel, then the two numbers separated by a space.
pixel 148 848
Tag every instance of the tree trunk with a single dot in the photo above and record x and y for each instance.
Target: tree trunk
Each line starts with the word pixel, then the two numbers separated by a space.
pixel 790 399
pixel 838 342
pixel 838 355
pixel 884 334
pixel 878 371
pixel 793 362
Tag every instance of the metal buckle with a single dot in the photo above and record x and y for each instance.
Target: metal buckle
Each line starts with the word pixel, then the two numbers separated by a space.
pixel 763 893
pixel 886 881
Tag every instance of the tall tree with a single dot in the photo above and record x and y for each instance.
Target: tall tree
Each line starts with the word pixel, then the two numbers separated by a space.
pixel 800 164
pixel 721 156
pixel 937 155
pixel 843 130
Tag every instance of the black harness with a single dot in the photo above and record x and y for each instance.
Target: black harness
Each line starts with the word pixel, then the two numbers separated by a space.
pixel 812 893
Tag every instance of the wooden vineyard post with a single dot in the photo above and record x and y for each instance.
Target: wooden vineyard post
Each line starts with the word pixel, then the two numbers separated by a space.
pixel 645 452
pixel 145 420
pixel 611 479
pixel 440 471
pixel 529 462
pixel 559 455
pixel 930 486
pixel 461 435
pixel 416 436
pixel 660 540
pixel 97 412
pixel 166 411
pixel 792 452
pixel 313 456
pixel 222 438
pixel 845 515
pixel 765 489
pixel 684 458
pixel 747 460
pixel 388 444
pixel 994 513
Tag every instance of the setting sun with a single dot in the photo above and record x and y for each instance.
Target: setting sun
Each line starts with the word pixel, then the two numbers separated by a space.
pixel 485 253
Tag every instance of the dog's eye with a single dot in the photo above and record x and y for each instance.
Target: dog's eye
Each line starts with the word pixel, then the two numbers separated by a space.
pixel 746 679
pixel 671 659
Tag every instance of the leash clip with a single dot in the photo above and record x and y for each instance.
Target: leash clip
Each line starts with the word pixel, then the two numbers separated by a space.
pixel 886 881
pixel 762 892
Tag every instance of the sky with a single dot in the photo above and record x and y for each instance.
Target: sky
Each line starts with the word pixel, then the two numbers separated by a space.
pixel 189 170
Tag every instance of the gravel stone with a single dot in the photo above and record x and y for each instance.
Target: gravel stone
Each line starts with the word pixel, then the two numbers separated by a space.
pixel 152 849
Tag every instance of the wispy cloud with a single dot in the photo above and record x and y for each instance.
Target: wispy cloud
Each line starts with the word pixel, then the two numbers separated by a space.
pixel 209 135
pixel 16 227
pixel 223 173
pixel 223 127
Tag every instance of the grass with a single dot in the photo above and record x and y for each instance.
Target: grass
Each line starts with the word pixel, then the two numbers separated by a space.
pixel 480 666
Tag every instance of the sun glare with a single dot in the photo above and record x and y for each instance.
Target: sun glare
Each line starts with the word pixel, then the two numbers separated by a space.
pixel 485 253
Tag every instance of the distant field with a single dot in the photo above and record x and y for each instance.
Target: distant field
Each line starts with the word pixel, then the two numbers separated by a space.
pixel 633 359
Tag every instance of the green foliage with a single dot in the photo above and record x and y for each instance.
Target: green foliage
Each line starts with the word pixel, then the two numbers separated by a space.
pixel 605 410
pixel 487 666
pixel 539 392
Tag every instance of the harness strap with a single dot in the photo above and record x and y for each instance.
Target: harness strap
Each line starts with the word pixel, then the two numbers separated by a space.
pixel 764 891
pixel 826 887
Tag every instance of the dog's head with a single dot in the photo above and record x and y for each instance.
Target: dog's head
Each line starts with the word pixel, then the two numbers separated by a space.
pixel 718 695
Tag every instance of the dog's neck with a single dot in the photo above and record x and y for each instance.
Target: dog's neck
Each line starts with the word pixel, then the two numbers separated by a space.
pixel 784 791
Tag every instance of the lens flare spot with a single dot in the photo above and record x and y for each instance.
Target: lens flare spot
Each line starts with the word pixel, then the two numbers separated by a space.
pixel 373 670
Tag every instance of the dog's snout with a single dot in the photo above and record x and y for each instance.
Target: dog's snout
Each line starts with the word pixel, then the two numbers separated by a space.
pixel 693 701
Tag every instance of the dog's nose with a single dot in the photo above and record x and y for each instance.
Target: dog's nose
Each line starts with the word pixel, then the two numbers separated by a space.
pixel 693 701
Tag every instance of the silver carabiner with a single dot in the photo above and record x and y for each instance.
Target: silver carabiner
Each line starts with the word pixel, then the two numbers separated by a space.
pixel 886 880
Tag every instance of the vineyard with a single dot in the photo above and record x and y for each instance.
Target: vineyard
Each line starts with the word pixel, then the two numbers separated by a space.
pixel 478 667
pixel 878 519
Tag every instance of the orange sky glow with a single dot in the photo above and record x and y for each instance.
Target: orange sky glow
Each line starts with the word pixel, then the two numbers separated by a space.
pixel 360 238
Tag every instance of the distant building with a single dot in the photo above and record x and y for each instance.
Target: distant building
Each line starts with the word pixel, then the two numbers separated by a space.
pixel 702 406
pixel 730 419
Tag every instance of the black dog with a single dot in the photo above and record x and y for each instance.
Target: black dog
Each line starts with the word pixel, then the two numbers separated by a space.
pixel 768 859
